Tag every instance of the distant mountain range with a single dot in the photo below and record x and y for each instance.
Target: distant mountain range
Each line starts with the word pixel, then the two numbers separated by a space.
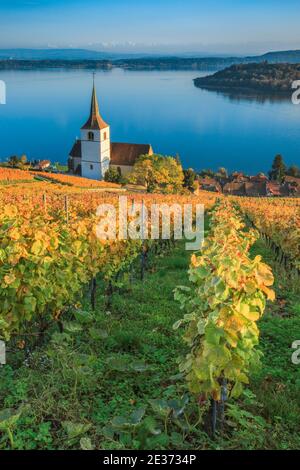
pixel 83 58
pixel 52 54
pixel 63 54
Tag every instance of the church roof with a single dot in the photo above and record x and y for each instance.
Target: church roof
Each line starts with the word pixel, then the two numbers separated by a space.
pixel 95 121
pixel 76 150
pixel 121 153
pixel 127 154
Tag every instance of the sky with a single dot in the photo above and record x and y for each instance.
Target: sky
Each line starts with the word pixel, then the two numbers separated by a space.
pixel 160 26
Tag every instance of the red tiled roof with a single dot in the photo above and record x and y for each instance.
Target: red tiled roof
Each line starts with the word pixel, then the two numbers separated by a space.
pixel 276 189
pixel 209 183
pixel 121 153
pixel 256 189
pixel 292 180
pixel 127 154
pixel 258 178
pixel 237 188
pixel 44 163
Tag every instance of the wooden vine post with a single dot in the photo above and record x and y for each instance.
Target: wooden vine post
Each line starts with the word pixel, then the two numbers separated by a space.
pixel 45 201
pixel 67 208
pixel 93 293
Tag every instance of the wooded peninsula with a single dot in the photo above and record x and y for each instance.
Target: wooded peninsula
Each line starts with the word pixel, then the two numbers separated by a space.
pixel 259 78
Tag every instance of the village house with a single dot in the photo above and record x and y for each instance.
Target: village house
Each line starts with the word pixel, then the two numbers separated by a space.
pixel 209 184
pixel 94 153
pixel 293 185
pixel 42 165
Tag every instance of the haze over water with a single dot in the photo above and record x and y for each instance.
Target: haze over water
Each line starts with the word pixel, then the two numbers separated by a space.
pixel 45 110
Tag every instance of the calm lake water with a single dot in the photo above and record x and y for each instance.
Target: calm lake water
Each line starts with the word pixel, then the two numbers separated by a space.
pixel 45 110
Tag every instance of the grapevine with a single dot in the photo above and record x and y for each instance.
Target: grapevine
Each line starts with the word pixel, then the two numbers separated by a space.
pixel 227 298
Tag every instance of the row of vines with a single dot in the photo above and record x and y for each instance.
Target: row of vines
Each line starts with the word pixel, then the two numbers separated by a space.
pixel 76 181
pixel 49 252
pixel 227 297
pixel 279 222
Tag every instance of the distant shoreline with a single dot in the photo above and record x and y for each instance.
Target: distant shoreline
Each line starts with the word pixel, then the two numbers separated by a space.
pixel 243 91
pixel 32 62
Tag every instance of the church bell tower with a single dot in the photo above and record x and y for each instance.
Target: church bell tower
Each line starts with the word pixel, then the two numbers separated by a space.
pixel 95 143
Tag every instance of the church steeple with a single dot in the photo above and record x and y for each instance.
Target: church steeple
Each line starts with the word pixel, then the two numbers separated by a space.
pixel 95 121
pixel 94 102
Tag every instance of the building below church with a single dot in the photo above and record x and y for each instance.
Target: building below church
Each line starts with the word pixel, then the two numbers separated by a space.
pixel 94 153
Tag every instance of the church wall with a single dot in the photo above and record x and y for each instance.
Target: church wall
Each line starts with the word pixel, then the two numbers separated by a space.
pixel 91 170
pixel 90 151
pixel 85 134
pixel 76 163
pixel 105 144
pixel 125 169
pixel 105 134
pixel 95 153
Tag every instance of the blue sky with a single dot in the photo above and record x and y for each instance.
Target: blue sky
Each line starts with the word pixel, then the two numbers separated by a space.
pixel 214 26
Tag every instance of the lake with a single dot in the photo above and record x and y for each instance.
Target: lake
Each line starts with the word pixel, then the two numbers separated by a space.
pixel 45 110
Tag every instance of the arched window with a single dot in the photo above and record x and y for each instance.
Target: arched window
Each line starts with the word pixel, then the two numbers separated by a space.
pixel 104 136
pixel 91 135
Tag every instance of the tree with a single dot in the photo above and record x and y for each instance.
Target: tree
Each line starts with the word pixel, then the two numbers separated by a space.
pixel 17 162
pixel 293 170
pixel 23 164
pixel 13 160
pixel 278 169
pixel 157 173
pixel 113 175
pixel 189 179
pixel 23 159
pixel 177 158
pixel 207 173
pixel 222 173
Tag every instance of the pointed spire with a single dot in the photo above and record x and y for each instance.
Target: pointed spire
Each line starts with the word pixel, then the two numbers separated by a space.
pixel 95 120
pixel 94 103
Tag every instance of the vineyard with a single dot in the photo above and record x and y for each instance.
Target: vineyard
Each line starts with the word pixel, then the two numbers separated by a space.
pixel 8 176
pixel 76 181
pixel 279 221
pixel 95 328
pixel 50 251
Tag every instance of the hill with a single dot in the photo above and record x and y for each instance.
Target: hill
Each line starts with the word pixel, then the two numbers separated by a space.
pixel 82 58
pixel 258 77
pixel 292 57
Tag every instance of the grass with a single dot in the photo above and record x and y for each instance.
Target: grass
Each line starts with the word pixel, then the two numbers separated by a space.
pixel 110 380
pixel 277 386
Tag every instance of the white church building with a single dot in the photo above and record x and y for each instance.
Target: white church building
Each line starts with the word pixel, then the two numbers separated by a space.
pixel 93 154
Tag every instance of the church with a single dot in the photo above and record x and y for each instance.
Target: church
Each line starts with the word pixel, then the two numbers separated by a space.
pixel 94 153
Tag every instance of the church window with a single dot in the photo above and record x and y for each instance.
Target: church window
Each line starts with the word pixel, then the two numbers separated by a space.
pixel 91 167
pixel 104 136
pixel 91 135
